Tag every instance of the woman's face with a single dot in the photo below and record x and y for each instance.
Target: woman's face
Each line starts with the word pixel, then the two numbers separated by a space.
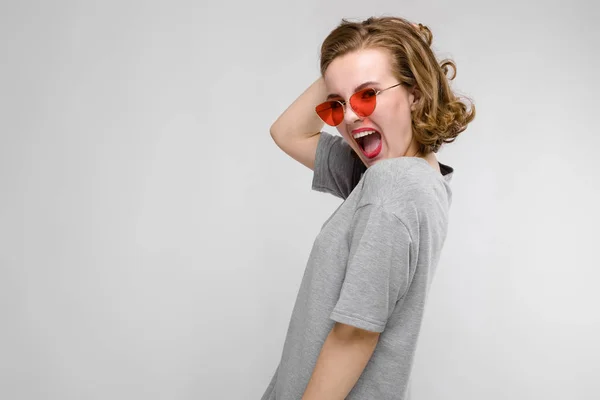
pixel 391 119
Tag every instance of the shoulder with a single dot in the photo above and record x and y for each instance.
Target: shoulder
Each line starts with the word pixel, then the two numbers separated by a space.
pixel 403 183
pixel 395 176
pixel 390 168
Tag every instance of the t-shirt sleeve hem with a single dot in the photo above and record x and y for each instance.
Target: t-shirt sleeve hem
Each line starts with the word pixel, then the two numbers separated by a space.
pixel 357 322
pixel 324 189
pixel 319 181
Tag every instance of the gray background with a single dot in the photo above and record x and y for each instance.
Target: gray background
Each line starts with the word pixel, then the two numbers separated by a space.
pixel 153 237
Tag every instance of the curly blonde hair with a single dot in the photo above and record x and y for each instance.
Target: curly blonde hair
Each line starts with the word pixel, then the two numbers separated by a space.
pixel 440 116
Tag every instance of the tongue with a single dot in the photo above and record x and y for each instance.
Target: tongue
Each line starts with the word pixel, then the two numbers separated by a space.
pixel 370 142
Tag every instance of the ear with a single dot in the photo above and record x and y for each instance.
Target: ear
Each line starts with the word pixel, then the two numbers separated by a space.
pixel 414 97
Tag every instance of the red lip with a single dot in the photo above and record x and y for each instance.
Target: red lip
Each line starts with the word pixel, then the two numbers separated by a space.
pixel 376 151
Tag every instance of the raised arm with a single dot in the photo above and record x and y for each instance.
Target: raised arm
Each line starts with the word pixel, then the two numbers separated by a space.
pixel 297 130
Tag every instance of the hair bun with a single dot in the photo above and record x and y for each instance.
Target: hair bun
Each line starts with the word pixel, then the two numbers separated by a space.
pixel 425 33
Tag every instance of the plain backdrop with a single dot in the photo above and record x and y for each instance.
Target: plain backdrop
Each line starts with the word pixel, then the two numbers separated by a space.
pixel 153 237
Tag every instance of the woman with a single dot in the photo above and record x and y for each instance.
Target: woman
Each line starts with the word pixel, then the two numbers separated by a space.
pixel 355 323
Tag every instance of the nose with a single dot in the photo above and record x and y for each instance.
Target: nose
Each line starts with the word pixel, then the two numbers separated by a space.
pixel 350 116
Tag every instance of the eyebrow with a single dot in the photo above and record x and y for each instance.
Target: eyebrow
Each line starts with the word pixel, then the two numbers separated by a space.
pixel 356 89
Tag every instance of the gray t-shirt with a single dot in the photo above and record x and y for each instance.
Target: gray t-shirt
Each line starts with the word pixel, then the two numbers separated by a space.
pixel 371 266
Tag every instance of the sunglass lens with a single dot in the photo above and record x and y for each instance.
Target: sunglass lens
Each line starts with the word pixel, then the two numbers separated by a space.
pixel 331 112
pixel 363 102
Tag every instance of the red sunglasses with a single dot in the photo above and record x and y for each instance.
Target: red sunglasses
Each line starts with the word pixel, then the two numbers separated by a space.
pixel 362 102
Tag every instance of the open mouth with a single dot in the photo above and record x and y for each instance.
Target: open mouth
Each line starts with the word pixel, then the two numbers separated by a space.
pixel 369 142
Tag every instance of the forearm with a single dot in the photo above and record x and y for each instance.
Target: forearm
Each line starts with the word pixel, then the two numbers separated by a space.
pixel 300 120
pixel 343 357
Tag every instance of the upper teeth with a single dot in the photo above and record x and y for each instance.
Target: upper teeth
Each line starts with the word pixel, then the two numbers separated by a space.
pixel 363 133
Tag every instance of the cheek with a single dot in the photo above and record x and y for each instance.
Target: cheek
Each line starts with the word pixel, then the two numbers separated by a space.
pixel 394 114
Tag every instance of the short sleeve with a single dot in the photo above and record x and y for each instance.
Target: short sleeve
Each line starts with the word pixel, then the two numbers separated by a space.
pixel 378 269
pixel 337 170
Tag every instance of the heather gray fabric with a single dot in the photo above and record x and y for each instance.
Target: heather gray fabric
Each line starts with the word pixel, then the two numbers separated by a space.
pixel 370 267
